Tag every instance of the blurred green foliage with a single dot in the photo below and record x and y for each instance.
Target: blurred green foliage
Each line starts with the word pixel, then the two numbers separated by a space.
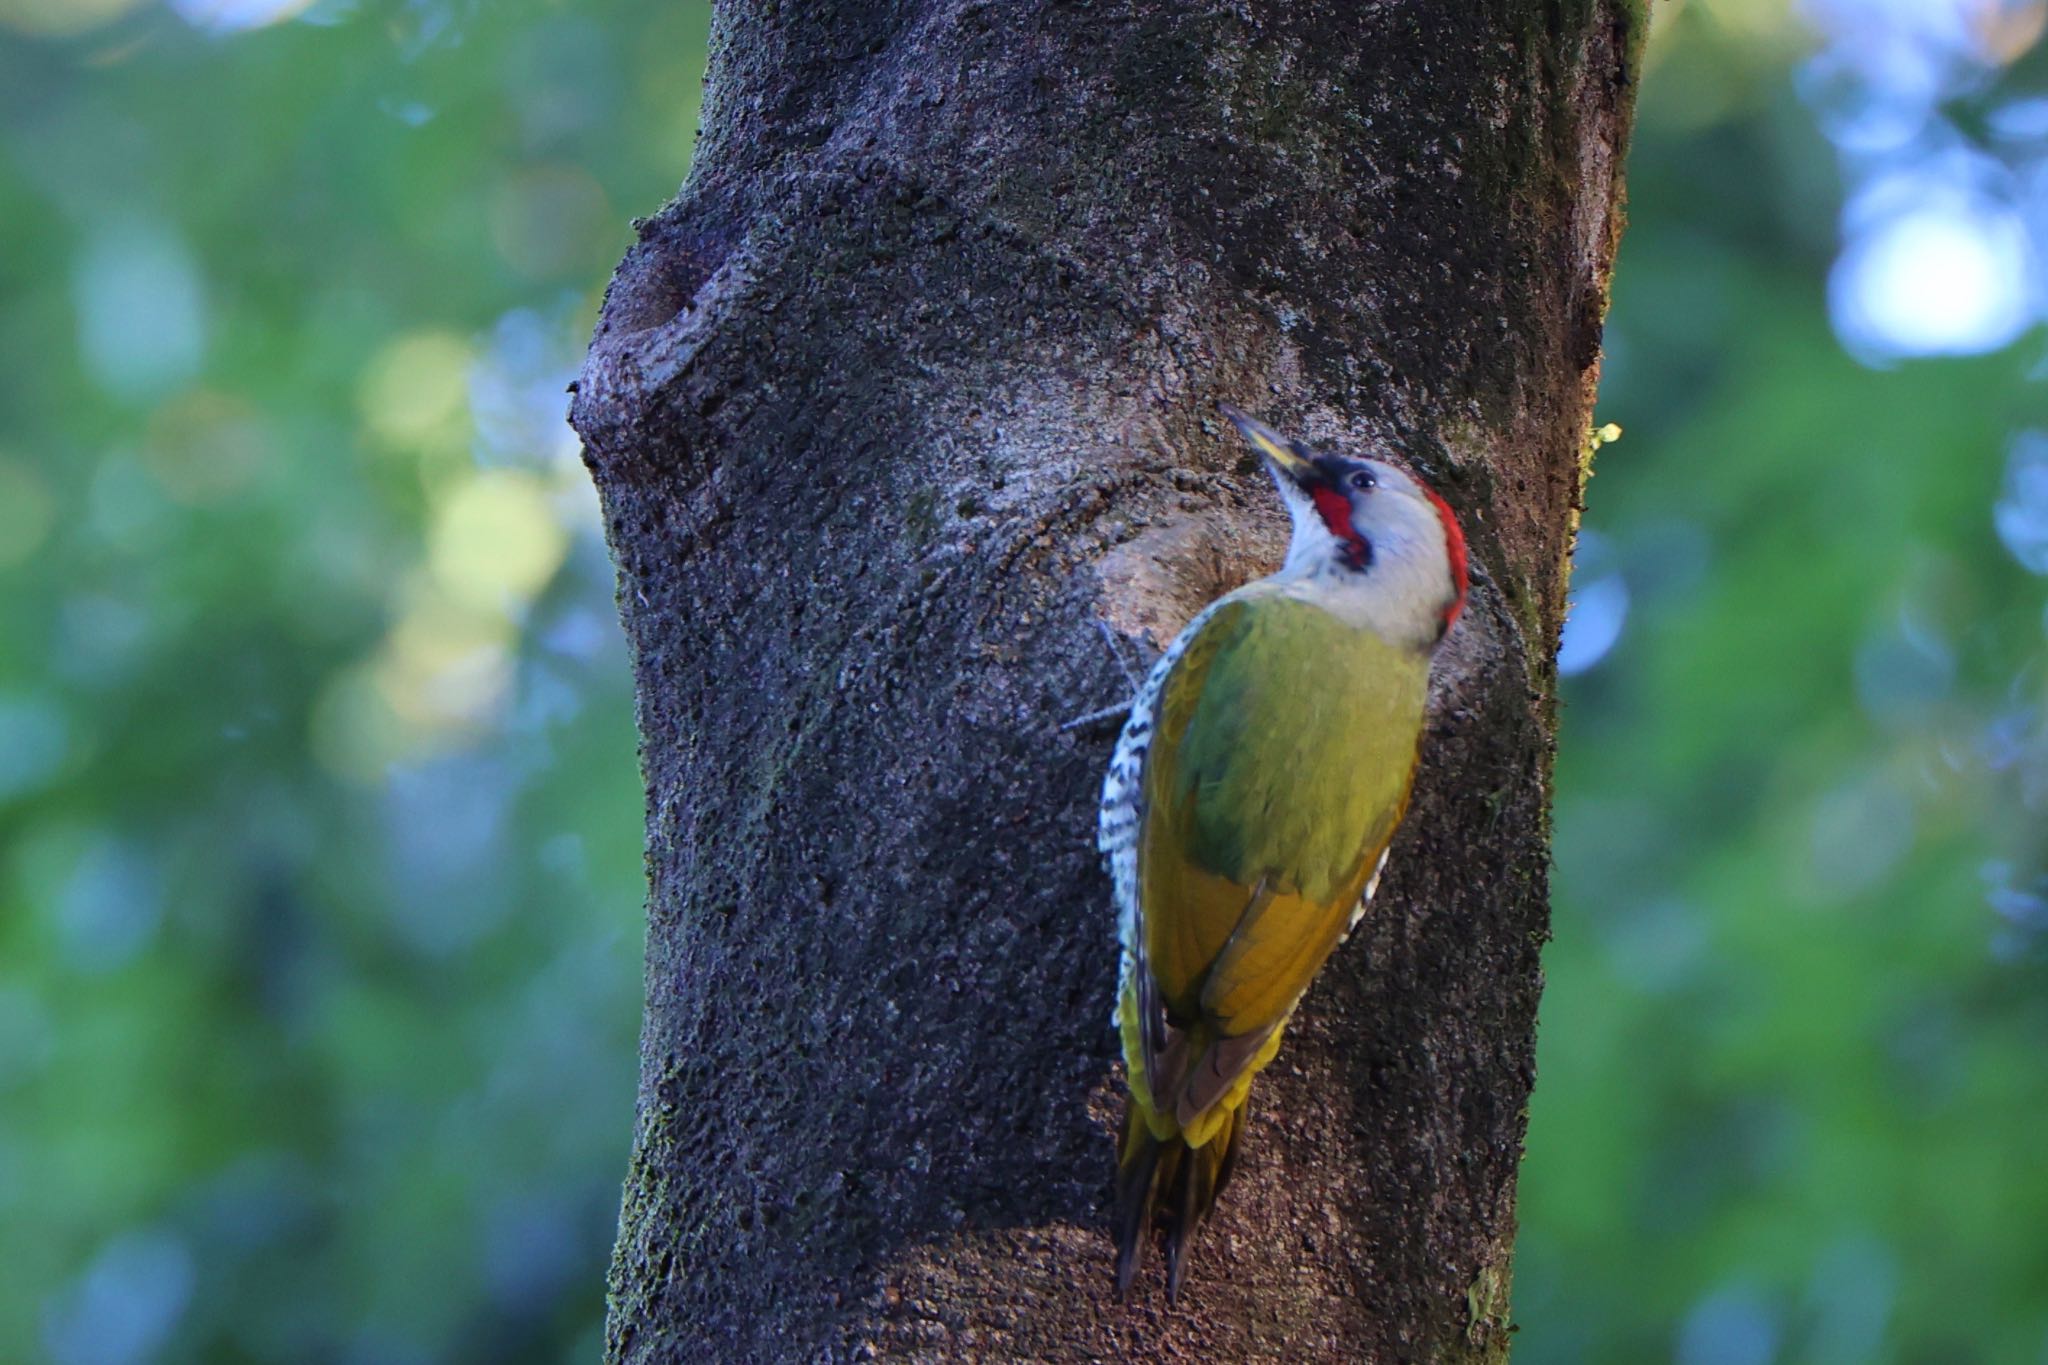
pixel 1793 1064
pixel 319 827
pixel 320 873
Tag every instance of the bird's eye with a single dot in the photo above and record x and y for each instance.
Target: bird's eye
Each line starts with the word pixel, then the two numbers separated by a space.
pixel 1362 480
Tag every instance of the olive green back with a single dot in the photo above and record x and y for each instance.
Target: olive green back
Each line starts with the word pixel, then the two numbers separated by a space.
pixel 1284 748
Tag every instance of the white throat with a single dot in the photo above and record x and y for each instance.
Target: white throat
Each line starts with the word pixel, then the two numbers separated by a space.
pixel 1400 596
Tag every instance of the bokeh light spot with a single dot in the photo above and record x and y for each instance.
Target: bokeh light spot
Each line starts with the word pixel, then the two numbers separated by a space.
pixel 1860 832
pixel 445 664
pixel 355 732
pixel 1766 23
pixel 1936 278
pixel 496 540
pixel 60 18
pixel 1729 1327
pixel 102 640
pixel 1902 671
pixel 204 446
pixel 2004 32
pixel 26 511
pixel 447 818
pixel 35 739
pixel 414 393
pixel 109 907
pixel 2021 513
pixel 517 391
pixel 125 506
pixel 1850 1298
pixel 141 309
pixel 2021 904
pixel 236 16
pixel 28 1038
pixel 1597 608
pixel 124 1307
pixel 551 220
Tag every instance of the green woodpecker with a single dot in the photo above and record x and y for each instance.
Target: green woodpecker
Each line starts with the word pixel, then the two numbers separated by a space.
pixel 1248 810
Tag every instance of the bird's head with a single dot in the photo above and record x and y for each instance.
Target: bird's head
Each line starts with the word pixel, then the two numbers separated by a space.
pixel 1367 524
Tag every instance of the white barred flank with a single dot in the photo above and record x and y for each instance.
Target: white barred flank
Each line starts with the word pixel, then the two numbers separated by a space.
pixel 1372 884
pixel 1123 809
pixel 1116 831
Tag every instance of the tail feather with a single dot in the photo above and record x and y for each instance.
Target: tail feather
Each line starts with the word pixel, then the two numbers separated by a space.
pixel 1167 1179
pixel 1197 1191
pixel 1137 1180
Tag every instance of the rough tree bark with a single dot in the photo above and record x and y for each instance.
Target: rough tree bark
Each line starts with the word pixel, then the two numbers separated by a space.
pixel 913 384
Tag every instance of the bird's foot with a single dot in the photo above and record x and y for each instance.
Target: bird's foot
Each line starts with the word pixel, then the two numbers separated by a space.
pixel 1121 709
pixel 1092 718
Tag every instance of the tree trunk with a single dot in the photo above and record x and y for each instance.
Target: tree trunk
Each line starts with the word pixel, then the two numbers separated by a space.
pixel 914 384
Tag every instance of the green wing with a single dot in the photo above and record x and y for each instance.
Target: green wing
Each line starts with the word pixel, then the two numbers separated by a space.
pixel 1283 749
